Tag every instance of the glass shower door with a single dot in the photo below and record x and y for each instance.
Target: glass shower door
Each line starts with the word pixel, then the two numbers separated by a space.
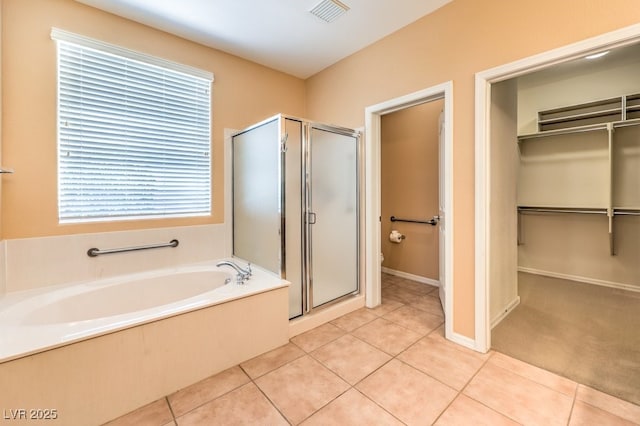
pixel 332 215
pixel 257 196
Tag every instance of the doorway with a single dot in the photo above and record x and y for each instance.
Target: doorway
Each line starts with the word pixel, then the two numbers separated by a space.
pixel 572 287
pixel 410 214
pixel 410 192
pixel 373 230
pixel 486 264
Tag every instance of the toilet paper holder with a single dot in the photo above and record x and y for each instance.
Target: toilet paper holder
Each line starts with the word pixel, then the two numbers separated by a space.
pixel 396 237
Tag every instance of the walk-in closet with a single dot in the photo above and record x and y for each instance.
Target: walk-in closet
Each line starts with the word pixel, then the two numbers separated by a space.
pixel 565 183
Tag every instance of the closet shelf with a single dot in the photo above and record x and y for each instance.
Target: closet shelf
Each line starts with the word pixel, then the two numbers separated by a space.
pixel 618 108
pixel 608 115
pixel 558 132
pixel 580 129
pixel 582 116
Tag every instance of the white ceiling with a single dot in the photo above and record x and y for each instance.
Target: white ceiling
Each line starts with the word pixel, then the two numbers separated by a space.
pixel 280 34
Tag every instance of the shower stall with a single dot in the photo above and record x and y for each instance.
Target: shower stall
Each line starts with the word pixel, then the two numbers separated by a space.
pixel 296 209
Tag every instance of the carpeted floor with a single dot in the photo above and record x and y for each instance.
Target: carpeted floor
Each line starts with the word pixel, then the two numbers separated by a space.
pixel 587 333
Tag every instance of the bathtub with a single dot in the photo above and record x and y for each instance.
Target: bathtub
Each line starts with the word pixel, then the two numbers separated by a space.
pixel 149 334
pixel 43 319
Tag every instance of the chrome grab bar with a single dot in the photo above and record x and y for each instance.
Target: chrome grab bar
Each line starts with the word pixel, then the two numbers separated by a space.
pixel 93 252
pixel 432 222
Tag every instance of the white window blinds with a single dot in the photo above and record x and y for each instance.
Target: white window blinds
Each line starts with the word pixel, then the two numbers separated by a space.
pixel 134 134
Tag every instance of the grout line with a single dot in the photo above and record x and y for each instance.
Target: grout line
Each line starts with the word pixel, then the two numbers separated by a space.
pixel 173 415
pixel 393 357
pixel 213 399
pixel 381 407
pixel 304 353
pixel 486 361
pixel 533 380
pixel 273 404
pixel 473 376
pixel 573 404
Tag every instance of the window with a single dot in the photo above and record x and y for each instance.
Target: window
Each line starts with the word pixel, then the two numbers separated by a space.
pixel 134 134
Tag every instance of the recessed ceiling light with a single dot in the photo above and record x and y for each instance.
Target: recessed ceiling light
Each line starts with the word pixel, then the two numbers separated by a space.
pixel 597 55
pixel 329 10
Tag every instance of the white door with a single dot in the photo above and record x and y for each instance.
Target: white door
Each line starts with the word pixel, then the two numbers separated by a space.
pixel 441 211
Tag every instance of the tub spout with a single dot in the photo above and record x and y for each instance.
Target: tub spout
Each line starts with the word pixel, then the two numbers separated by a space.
pixel 243 274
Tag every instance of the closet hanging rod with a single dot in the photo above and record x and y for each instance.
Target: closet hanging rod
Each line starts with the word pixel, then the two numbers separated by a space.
pixel 432 222
pixel 626 212
pixel 526 209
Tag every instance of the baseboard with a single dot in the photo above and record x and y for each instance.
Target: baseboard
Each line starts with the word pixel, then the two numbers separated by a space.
pixel 506 311
pixel 418 278
pixel 463 341
pixel 587 280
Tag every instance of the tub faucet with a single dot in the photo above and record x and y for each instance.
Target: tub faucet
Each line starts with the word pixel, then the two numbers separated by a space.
pixel 243 274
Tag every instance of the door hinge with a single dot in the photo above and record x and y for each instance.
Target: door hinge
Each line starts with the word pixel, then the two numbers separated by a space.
pixel 283 143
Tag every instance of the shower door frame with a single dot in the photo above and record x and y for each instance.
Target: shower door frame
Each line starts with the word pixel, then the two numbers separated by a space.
pixel 305 231
pixel 308 126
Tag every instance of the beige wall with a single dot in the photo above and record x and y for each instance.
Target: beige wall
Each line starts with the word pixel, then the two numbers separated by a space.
pixel 409 179
pixel 455 42
pixel 578 247
pixel 243 93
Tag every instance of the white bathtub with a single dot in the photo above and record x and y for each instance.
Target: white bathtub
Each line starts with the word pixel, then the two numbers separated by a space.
pixel 42 319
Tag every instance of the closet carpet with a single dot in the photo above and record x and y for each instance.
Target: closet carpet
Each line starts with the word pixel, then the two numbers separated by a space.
pixel 587 333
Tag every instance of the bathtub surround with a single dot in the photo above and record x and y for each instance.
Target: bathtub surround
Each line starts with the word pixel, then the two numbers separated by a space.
pixel 84 380
pixel 63 259
pixel 96 380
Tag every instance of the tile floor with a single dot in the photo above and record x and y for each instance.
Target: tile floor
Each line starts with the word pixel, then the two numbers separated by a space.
pixel 385 366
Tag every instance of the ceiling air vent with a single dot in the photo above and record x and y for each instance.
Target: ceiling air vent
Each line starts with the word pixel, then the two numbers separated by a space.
pixel 329 10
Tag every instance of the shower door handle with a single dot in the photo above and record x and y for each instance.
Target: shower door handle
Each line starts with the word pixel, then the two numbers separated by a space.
pixel 311 218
